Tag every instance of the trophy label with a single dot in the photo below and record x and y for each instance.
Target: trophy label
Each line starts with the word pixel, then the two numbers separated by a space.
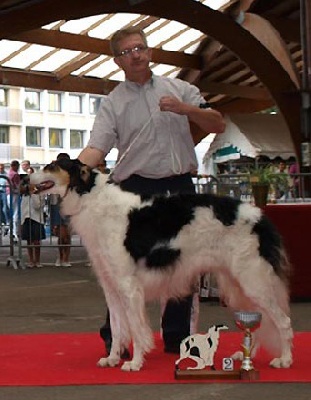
pixel 227 364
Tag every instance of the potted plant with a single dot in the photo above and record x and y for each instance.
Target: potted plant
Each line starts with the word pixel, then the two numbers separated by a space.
pixel 263 179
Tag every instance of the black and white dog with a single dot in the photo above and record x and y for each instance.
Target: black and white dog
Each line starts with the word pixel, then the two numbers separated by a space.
pixel 143 249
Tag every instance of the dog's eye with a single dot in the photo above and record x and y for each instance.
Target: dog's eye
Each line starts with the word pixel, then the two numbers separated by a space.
pixel 50 167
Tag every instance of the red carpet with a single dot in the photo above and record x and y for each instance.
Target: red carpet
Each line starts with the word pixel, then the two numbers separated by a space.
pixel 70 359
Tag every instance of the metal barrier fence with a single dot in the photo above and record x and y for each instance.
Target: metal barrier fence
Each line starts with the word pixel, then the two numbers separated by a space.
pixel 14 229
pixel 6 218
pixel 237 186
pixel 297 190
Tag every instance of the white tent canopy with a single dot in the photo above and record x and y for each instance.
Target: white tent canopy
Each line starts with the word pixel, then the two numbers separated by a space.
pixel 252 135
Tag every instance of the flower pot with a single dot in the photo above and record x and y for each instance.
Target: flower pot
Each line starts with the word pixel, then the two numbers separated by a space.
pixel 260 193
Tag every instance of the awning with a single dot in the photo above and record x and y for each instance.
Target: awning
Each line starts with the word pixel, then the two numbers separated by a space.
pixel 253 135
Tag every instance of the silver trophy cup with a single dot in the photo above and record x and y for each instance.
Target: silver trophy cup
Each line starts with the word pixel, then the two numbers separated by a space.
pixel 247 321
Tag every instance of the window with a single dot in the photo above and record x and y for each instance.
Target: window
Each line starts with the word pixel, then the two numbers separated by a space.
pixel 75 102
pixel 55 102
pixel 32 100
pixel 55 138
pixel 33 136
pixel 4 134
pixel 94 104
pixel 76 139
pixel 3 97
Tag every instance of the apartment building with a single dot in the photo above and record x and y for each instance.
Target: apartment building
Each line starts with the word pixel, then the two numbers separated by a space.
pixel 38 124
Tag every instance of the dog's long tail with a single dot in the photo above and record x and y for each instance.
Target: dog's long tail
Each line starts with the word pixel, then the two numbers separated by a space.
pixel 271 247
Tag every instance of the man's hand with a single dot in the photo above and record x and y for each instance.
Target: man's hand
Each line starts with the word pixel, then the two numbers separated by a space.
pixel 170 103
pixel 207 120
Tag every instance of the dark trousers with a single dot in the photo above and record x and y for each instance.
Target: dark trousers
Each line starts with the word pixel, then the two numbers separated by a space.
pixel 177 313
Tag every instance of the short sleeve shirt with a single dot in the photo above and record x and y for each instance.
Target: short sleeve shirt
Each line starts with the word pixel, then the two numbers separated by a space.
pixel 157 144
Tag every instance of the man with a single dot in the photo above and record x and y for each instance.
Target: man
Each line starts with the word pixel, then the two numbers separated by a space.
pixel 60 227
pixel 24 183
pixel 147 118
pixel 12 192
pixel 25 164
pixel 4 210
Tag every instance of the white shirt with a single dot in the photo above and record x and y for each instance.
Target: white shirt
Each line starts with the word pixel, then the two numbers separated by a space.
pixel 158 144
pixel 32 207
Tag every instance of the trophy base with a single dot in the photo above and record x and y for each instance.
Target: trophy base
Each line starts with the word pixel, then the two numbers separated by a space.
pixel 206 374
pixel 196 374
pixel 251 375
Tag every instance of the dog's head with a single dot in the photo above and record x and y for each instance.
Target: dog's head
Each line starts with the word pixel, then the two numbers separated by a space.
pixel 63 175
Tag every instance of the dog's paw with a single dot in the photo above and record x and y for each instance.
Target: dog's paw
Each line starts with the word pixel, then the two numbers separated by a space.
pixel 131 366
pixel 108 362
pixel 281 362
pixel 238 355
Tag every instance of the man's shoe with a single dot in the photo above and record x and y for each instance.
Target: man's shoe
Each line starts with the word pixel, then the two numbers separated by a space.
pixel 172 349
pixel 108 343
pixel 125 355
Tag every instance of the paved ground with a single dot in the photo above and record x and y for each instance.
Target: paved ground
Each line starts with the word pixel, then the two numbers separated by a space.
pixel 55 299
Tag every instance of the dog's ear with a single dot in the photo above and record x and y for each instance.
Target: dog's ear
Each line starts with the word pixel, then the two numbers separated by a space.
pixel 85 173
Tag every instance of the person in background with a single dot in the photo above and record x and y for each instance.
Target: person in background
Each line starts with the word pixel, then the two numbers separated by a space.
pixel 60 227
pixel 295 183
pixel 13 196
pixel 24 182
pixel 32 224
pixel 148 118
pixel 281 168
pixel 25 165
pixel 282 186
pixel 4 209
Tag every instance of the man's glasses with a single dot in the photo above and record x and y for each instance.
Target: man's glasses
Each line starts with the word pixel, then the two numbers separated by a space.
pixel 129 52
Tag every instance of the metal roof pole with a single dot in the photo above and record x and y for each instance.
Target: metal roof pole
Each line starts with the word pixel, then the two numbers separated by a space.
pixel 305 29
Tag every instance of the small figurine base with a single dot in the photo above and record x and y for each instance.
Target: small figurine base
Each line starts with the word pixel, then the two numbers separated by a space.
pixel 196 374
pixel 206 374
pixel 251 375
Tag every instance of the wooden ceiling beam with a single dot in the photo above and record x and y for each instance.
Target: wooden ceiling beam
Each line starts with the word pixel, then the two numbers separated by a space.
pixel 60 81
pixel 221 27
pixel 288 29
pixel 84 43
pixel 49 81
pixel 269 37
pixel 245 106
pixel 247 92
pixel 74 65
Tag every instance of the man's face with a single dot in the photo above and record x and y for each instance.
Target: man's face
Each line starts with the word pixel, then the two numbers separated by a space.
pixel 138 56
pixel 15 167
pixel 25 166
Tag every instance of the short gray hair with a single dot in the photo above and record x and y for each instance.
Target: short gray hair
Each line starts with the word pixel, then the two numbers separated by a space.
pixel 121 34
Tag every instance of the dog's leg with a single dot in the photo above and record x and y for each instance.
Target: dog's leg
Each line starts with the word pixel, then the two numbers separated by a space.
pixel 134 305
pixel 286 334
pixel 267 294
pixel 115 310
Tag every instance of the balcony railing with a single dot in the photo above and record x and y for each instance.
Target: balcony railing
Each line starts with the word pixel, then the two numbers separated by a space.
pixel 9 152
pixel 10 115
